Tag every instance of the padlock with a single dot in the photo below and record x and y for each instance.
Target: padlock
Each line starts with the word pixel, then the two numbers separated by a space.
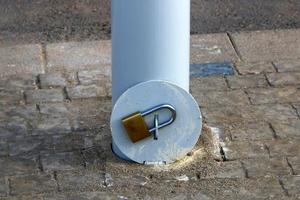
pixel 136 127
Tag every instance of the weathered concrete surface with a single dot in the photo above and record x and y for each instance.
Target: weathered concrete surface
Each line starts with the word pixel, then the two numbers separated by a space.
pixel 55 140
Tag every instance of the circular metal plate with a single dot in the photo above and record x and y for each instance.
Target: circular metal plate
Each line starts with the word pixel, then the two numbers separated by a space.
pixel 175 140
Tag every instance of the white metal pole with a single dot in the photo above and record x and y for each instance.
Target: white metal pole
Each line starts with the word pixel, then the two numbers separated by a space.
pixel 150 41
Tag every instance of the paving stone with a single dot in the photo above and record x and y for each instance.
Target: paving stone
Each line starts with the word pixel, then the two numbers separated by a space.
pixel 27 112
pixel 254 68
pixel 253 131
pixel 211 69
pixel 89 77
pixel 32 184
pixel 44 95
pixel 297 107
pixel 54 109
pixel 95 157
pixel 15 127
pixel 287 129
pixel 248 81
pixel 81 180
pixel 81 92
pixel 90 114
pixel 3 187
pixel 20 59
pixel 211 48
pixel 268 45
pixel 220 98
pixel 47 124
pixel 272 167
pixel 3 147
pixel 10 97
pixel 19 82
pixel 274 95
pixel 230 169
pixel 281 79
pixel 295 163
pixel 287 65
pixel 207 83
pixel 78 55
pixel 263 188
pixel 62 161
pixel 25 147
pixel 284 147
pixel 82 196
pixel 52 80
pixel 17 166
pixel 24 197
pixel 64 143
pixel 292 184
pixel 240 114
pixel 240 150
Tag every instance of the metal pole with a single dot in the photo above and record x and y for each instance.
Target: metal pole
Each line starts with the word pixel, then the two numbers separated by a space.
pixel 150 41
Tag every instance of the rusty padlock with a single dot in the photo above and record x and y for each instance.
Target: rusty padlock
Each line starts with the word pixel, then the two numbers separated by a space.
pixel 136 127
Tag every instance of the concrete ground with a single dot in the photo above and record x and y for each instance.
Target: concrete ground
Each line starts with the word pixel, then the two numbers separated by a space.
pixel 35 21
pixel 55 103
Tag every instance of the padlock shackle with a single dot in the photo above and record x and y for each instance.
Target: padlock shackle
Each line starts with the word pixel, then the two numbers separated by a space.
pixel 160 107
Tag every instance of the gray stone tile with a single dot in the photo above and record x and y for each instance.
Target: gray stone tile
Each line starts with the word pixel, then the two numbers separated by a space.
pixel 254 67
pixel 207 83
pixel 295 163
pixel 253 131
pixel 11 97
pixel 287 65
pixel 17 166
pixel 230 169
pixel 268 45
pixel 98 76
pixel 274 95
pixel 44 95
pixel 82 92
pixel 287 129
pixel 64 143
pixel 220 98
pixel 248 81
pixel 26 147
pixel 211 48
pixel 19 82
pixel 21 59
pixel 282 79
pixel 81 180
pixel 3 187
pixel 47 124
pixel 284 147
pixel 272 167
pixel 52 80
pixel 292 184
pixel 82 196
pixel 54 109
pixel 62 161
pixel 32 184
pixel 3 147
pixel 241 150
pixel 78 55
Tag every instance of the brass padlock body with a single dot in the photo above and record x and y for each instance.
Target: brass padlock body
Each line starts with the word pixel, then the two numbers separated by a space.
pixel 136 127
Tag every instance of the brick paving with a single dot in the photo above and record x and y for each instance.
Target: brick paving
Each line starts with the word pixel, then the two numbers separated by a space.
pixel 55 104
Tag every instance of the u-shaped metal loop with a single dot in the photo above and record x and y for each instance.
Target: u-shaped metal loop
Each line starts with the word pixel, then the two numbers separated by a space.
pixel 161 107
